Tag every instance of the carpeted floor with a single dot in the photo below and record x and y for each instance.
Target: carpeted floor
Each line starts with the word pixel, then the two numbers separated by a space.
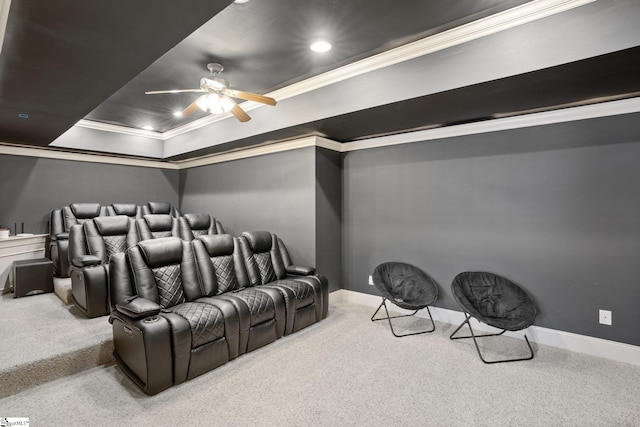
pixel 44 339
pixel 347 370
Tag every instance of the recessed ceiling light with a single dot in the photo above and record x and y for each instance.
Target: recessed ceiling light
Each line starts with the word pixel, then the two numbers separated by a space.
pixel 320 46
pixel 177 113
pixel 241 1
pixel 147 127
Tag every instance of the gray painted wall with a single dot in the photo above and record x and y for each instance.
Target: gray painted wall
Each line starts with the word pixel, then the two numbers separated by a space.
pixel 329 216
pixel 554 208
pixel 30 187
pixel 274 192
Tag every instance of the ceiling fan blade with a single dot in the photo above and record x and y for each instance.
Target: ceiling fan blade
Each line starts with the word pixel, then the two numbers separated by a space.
pixel 239 112
pixel 191 108
pixel 158 92
pixel 248 96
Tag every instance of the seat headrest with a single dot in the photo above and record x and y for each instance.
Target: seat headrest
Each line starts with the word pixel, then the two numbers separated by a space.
pixel 259 241
pixel 128 209
pixel 198 221
pixel 159 207
pixel 162 251
pixel 217 244
pixel 112 225
pixel 85 210
pixel 159 222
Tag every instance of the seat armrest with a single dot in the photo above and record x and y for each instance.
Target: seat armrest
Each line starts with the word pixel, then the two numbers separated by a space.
pixel 137 308
pixel 300 270
pixel 60 236
pixel 86 261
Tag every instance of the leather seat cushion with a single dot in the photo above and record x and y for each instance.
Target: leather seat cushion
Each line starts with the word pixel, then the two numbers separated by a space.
pixel 260 304
pixel 206 321
pixel 303 291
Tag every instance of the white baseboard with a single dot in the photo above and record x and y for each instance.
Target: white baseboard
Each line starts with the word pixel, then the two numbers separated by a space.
pixel 599 347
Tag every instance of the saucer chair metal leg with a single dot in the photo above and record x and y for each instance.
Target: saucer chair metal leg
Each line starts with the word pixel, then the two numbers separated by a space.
pixel 474 336
pixel 384 304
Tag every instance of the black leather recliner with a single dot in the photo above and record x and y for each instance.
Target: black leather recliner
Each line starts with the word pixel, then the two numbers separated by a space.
pixel 306 293
pixel 192 225
pixel 60 222
pixel 91 244
pixel 182 308
pixel 158 208
pixel 154 226
pixel 262 310
pixel 129 209
pixel 172 323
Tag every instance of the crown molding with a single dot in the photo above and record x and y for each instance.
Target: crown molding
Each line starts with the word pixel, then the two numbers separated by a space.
pixel 310 141
pixel 46 153
pixel 5 5
pixel 585 112
pixel 106 127
pixel 604 109
pixel 519 15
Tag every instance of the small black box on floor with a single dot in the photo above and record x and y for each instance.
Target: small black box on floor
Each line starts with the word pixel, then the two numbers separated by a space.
pixel 32 276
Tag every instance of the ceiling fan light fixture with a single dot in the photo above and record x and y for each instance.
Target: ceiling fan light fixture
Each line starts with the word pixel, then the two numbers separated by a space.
pixel 320 46
pixel 214 103
pixel 177 114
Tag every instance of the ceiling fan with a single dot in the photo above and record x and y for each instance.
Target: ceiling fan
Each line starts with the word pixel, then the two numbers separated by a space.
pixel 218 96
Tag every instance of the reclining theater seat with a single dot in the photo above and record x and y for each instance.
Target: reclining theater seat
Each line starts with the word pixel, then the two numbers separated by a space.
pixel 306 293
pixel 129 209
pixel 155 226
pixel 164 208
pixel 60 223
pixel 167 326
pixel 192 225
pixel 90 246
pixel 262 311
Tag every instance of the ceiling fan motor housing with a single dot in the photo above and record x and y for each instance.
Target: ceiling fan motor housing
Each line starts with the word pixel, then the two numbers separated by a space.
pixel 213 83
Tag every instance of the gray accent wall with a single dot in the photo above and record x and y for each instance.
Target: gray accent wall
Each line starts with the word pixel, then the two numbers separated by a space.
pixel 329 216
pixel 31 187
pixel 274 192
pixel 554 208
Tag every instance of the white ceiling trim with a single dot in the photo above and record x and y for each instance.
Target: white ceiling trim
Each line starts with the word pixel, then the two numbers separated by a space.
pixel 585 112
pixel 519 15
pixel 16 150
pixel 310 141
pixel 605 109
pixel 90 124
pixel 5 5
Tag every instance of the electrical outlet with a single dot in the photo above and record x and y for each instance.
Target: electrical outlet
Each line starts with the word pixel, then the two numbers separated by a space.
pixel 370 280
pixel 605 317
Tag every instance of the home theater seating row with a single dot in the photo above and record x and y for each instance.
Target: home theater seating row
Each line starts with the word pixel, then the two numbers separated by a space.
pixel 92 241
pixel 61 221
pixel 181 308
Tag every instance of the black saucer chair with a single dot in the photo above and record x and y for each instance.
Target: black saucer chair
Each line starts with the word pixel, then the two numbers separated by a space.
pixel 496 301
pixel 407 287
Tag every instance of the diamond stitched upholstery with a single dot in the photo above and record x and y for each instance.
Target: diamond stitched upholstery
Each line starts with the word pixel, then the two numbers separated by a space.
pixel 115 244
pixel 206 321
pixel 303 291
pixel 197 233
pixel 159 234
pixel 260 305
pixel 169 285
pixel 265 266
pixel 225 273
